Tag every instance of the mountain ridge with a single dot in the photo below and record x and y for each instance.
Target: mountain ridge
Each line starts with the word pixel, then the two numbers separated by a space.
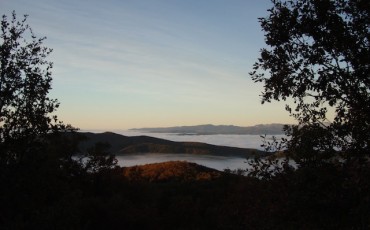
pixel 209 129
pixel 120 145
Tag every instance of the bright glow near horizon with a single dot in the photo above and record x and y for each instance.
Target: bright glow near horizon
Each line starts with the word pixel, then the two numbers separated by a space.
pixel 129 64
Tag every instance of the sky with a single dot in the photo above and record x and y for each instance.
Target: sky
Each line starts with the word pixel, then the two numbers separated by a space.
pixel 121 64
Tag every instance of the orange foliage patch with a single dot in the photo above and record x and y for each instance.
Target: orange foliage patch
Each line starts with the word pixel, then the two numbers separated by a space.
pixel 170 171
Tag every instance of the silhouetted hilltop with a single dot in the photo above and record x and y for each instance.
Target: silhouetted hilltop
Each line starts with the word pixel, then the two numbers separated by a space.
pixel 170 171
pixel 143 144
pixel 269 129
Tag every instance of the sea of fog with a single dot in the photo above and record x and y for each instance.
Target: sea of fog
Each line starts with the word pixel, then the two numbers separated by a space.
pixel 216 162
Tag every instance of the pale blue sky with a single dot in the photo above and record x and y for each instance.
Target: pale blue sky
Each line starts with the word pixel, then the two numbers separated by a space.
pixel 126 64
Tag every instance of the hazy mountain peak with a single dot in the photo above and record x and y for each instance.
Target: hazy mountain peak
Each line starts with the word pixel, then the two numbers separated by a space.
pixel 210 129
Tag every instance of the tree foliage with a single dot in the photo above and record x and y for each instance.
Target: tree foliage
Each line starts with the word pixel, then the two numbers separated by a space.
pixel 42 179
pixel 318 54
pixel 26 110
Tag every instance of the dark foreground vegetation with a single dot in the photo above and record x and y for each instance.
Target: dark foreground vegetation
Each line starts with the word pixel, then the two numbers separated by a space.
pixel 318 55
pixel 179 195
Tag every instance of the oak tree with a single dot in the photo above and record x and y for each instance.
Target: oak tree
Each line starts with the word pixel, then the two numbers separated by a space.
pixel 26 110
pixel 318 56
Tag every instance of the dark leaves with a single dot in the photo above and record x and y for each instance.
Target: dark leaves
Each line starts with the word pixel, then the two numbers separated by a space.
pixel 25 81
pixel 319 55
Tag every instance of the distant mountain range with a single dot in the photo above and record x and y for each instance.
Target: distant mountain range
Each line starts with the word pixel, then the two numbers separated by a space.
pixel 269 129
pixel 143 144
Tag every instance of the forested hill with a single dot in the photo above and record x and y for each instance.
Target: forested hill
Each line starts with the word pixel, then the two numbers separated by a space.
pixel 120 144
pixel 171 171
pixel 269 129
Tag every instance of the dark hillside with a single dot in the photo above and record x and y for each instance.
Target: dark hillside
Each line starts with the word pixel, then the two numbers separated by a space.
pixel 143 144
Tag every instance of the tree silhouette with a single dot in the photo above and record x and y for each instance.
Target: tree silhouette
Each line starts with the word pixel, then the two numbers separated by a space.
pixel 318 54
pixel 41 176
pixel 26 111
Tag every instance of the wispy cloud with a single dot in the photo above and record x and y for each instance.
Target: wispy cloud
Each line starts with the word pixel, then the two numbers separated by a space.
pixel 179 59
